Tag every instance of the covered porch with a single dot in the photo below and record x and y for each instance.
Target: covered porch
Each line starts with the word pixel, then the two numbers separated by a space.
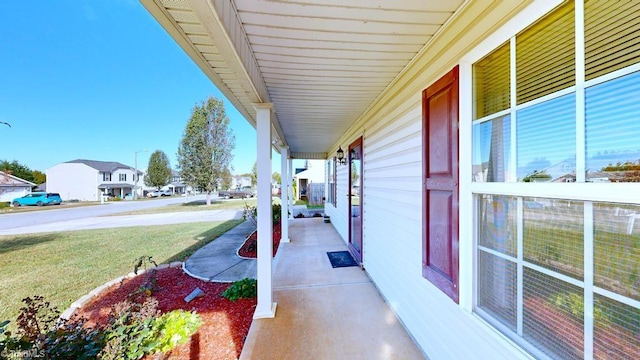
pixel 325 312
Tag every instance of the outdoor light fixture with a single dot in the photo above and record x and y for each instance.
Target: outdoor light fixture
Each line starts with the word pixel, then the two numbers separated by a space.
pixel 340 156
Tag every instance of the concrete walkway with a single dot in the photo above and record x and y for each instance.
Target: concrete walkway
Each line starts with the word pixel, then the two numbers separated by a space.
pixel 325 313
pixel 218 261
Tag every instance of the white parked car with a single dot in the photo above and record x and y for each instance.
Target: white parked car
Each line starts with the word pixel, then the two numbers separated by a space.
pixel 157 193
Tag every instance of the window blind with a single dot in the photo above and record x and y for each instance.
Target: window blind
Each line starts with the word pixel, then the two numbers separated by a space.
pixel 612 36
pixel 491 82
pixel 545 55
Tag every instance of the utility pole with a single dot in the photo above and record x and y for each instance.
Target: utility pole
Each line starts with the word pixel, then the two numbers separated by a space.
pixel 135 187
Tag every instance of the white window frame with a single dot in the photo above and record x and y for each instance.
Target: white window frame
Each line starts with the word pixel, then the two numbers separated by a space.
pixel 588 192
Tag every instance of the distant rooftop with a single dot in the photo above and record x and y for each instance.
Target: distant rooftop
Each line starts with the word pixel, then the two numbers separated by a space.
pixel 104 166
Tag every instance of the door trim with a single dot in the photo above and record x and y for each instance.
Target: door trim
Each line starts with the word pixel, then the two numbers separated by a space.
pixel 357 254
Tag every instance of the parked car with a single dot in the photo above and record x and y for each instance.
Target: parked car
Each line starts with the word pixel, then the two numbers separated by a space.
pixel 38 198
pixel 229 194
pixel 156 193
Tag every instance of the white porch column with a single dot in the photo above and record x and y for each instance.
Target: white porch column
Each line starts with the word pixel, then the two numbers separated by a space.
pixel 265 308
pixel 284 193
pixel 290 195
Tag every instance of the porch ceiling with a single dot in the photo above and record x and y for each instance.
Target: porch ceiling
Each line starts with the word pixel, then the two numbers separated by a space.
pixel 321 63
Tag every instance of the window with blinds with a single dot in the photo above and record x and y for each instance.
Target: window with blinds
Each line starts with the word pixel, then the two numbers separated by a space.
pixel 491 78
pixel 545 55
pixel 560 277
pixel 612 36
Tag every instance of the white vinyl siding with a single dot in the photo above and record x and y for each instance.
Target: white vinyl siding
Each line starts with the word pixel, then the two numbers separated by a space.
pixel 392 200
pixel 393 220
pixel 74 181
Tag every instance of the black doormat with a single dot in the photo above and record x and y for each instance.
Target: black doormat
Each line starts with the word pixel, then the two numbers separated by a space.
pixel 341 259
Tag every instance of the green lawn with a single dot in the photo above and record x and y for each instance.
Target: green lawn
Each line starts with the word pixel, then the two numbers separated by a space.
pixel 195 206
pixel 64 266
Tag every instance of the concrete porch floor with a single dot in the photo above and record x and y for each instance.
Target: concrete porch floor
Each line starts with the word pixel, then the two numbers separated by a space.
pixel 325 313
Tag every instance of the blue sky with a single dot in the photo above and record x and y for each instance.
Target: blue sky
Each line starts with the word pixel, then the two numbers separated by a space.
pixel 98 80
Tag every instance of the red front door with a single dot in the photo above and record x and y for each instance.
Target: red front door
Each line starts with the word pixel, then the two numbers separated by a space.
pixel 355 199
pixel 440 195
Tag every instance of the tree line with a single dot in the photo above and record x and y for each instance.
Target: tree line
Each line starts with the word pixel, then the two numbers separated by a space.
pixel 22 171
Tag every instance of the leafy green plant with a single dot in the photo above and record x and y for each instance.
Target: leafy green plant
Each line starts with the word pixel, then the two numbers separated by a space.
pixel 73 339
pixel 276 212
pixel 4 204
pixel 242 289
pixel 129 333
pixel 174 328
pixel 133 330
pixel 251 212
pixel 573 304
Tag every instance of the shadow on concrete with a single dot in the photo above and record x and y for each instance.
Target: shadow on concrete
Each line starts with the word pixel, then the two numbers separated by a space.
pixel 203 239
pixel 19 242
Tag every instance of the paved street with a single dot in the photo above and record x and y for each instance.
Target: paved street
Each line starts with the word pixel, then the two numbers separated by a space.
pixel 94 217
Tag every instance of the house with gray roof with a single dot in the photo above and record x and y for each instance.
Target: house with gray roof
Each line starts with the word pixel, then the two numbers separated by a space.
pixel 88 180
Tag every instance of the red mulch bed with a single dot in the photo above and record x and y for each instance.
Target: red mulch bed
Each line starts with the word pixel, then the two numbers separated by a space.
pixel 611 341
pixel 250 247
pixel 225 323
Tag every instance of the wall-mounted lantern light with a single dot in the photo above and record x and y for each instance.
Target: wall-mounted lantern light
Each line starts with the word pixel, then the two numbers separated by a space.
pixel 340 156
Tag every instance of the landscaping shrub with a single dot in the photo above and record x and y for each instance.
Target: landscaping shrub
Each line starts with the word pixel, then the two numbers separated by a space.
pixel 132 331
pixel 4 205
pixel 242 289
pixel 252 212
pixel 41 334
pixel 174 328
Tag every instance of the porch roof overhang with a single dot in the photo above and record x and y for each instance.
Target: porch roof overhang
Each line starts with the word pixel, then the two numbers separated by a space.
pixel 322 63
pixel 114 185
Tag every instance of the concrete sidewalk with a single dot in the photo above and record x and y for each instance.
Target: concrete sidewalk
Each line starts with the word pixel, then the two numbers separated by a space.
pixel 325 312
pixel 218 260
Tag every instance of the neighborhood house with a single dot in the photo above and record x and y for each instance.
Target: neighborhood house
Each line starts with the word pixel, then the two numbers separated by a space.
pixel 89 180
pixel 481 157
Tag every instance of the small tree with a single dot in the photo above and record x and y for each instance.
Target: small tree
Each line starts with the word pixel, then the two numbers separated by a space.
pixel 276 177
pixel 159 171
pixel 226 180
pixel 254 174
pixel 205 151
pixel 39 177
